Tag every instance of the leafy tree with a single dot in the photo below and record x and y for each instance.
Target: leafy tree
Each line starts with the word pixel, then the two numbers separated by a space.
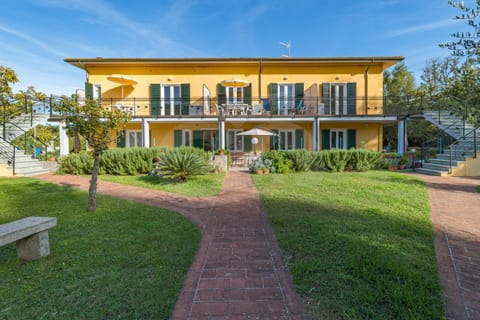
pixel 7 78
pixel 96 125
pixel 466 44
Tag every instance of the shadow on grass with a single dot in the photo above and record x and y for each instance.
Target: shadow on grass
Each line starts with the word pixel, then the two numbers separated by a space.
pixel 157 180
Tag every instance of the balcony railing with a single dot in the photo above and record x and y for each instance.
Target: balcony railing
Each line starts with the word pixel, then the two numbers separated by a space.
pixel 140 107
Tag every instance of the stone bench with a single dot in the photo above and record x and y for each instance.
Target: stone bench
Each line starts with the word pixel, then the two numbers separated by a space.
pixel 31 235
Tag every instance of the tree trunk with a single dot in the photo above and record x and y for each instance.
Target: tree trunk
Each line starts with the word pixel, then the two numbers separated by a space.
pixel 92 191
pixel 76 143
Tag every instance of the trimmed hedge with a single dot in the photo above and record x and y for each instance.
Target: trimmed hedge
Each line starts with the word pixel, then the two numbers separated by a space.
pixel 119 161
pixel 335 160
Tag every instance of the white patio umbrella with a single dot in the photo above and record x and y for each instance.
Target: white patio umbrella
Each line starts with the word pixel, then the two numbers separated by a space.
pixel 122 79
pixel 256 132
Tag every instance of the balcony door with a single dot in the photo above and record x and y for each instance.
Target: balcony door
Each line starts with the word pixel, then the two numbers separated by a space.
pixel 286 97
pixel 338 96
pixel 171 102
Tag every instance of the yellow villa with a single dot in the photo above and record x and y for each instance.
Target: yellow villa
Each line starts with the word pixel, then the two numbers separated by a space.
pixel 311 103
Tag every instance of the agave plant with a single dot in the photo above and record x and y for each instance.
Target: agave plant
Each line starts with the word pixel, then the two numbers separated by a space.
pixel 182 164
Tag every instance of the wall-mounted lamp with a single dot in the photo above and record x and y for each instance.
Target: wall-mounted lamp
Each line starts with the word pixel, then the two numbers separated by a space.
pixel 337 78
pixel 170 78
pixel 285 78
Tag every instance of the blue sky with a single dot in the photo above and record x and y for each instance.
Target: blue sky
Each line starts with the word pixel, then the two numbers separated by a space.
pixel 36 35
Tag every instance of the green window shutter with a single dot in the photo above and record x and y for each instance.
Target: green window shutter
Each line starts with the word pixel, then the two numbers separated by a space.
pixel 351 138
pixel 121 139
pixel 177 138
pixel 247 143
pixel 326 97
pixel 185 90
pixel 274 140
pixel 88 90
pixel 299 139
pixel 299 92
pixel 325 139
pixel 198 139
pixel 247 94
pixel 351 98
pixel 155 99
pixel 274 97
pixel 221 94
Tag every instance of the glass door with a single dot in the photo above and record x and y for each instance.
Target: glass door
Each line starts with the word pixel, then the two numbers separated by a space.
pixel 286 139
pixel 171 100
pixel 286 98
pixel 338 97
pixel 338 139
pixel 234 141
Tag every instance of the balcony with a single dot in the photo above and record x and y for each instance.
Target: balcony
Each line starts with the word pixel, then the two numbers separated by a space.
pixel 257 107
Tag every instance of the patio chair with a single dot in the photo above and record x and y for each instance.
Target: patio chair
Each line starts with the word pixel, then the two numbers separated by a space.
pixel 300 108
pixel 267 107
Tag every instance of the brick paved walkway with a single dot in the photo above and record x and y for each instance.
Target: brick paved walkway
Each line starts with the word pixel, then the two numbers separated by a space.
pixel 237 272
pixel 455 214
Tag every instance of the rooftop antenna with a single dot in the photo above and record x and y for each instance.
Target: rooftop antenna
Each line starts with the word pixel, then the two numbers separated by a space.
pixel 287 45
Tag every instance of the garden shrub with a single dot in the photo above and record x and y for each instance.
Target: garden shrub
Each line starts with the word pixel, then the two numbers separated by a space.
pixel 363 160
pixel 336 160
pixel 76 163
pixel 281 160
pixel 387 159
pixel 183 163
pixel 302 160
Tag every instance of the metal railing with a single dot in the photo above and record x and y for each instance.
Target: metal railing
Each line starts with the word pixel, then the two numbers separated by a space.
pixel 463 148
pixel 8 153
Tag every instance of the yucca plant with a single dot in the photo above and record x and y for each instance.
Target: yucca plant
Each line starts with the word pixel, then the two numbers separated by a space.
pixel 182 164
pixel 302 160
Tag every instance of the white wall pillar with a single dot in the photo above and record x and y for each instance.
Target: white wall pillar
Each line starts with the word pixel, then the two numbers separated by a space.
pixel 64 144
pixel 315 135
pixel 402 137
pixel 146 133
pixel 221 131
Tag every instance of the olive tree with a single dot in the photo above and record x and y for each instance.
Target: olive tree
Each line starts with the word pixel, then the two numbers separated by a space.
pixel 97 125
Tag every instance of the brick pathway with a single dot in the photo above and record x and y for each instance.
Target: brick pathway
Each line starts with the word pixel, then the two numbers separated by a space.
pixel 455 214
pixel 237 272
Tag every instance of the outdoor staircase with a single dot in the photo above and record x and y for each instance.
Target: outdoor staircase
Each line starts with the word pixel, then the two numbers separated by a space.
pixel 17 162
pixel 458 159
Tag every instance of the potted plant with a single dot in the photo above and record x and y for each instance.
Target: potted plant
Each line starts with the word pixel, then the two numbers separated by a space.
pixel 392 164
pixel 402 162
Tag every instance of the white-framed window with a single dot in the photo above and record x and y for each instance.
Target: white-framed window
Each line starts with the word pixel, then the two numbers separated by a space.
pixel 234 141
pixel 187 138
pixel 286 97
pixel 286 139
pixel 234 95
pixel 171 100
pixel 338 139
pixel 134 138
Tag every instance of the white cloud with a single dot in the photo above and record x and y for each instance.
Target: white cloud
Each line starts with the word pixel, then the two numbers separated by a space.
pixel 32 40
pixel 423 27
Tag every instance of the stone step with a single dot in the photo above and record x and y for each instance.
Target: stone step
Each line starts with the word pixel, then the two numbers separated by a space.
pixel 444 162
pixel 436 167
pixel 431 172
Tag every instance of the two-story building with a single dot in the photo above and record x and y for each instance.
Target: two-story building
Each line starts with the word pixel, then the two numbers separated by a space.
pixel 311 103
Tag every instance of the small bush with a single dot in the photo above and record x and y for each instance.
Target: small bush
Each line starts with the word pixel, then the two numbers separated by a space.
pixel 183 163
pixel 336 160
pixel 302 160
pixel 363 160
pixel 76 163
pixel 281 160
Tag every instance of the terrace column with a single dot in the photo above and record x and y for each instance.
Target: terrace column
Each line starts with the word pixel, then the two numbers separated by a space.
pixel 64 144
pixel 402 136
pixel 146 133
pixel 315 135
pixel 221 133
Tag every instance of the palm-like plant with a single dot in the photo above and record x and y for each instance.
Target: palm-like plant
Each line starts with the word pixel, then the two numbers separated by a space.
pixel 182 163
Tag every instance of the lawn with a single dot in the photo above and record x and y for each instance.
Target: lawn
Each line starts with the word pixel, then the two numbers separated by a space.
pixel 199 186
pixel 358 245
pixel 125 261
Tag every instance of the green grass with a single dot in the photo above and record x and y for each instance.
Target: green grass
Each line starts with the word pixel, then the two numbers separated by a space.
pixel 125 261
pixel 358 245
pixel 199 186
pixel 478 188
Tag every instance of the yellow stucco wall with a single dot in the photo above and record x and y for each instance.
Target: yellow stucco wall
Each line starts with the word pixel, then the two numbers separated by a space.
pixel 368 135
pixel 471 168
pixel 210 76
